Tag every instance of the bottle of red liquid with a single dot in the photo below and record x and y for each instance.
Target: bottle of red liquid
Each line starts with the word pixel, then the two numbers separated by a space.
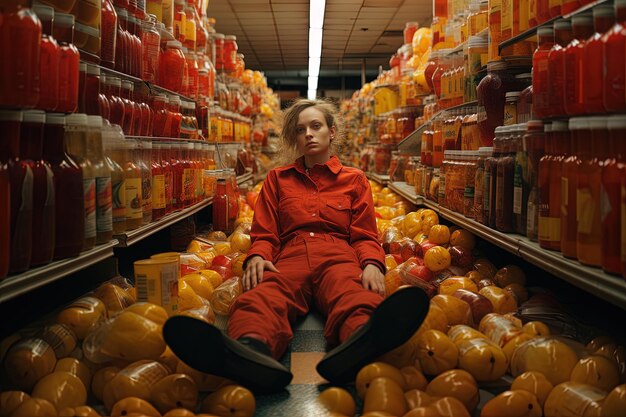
pixel 233 198
pixel 611 200
pixel 491 94
pixel 541 88
pixel 614 97
pixel 104 107
pixel 592 151
pixel 31 152
pixel 91 97
pixel 69 63
pixel 147 115
pixel 593 68
pixel 20 45
pixel 172 66
pixel 108 34
pixel 178 171
pixel 218 42
pixel 137 113
pixel 192 70
pixel 556 57
pixel 158 182
pixel 122 41
pixel 189 176
pixel 176 116
pixel 166 160
pixel 151 40
pixel 221 205
pixel 574 96
pixel 68 187
pixel 129 109
pixel 116 104
pixel 579 128
pixel 48 61
pixel 21 180
pixel 159 104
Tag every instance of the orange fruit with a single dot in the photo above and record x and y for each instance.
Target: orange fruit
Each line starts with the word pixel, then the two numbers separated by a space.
pixel 462 237
pixel 437 258
pixel 240 242
pixel 439 234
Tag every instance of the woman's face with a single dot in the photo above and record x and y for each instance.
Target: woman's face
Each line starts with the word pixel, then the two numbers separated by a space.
pixel 313 136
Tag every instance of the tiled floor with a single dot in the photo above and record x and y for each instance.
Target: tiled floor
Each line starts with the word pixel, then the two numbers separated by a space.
pixel 305 351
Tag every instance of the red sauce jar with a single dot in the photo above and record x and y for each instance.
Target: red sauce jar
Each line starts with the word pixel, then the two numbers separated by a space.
pixel 159 104
pixel 108 34
pixel 122 42
pixel 218 43
pixel 176 116
pixel 103 103
pixel 491 94
pixel 151 40
pixel 230 53
pixel 563 36
pixel 593 68
pixel 613 77
pixel 48 61
pixel 69 63
pixel 129 109
pixel 20 45
pixel 116 104
pixel 91 93
pixel 541 87
pixel 31 153
pixel 172 66
pixel 574 97
pixel 192 75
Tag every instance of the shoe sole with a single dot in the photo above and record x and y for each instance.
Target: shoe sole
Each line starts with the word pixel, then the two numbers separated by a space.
pixel 203 347
pixel 392 323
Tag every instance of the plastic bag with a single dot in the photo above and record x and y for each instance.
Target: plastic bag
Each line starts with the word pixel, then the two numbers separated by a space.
pixel 135 380
pixel 114 297
pixel 499 329
pixel 204 313
pixel 390 235
pixel 225 294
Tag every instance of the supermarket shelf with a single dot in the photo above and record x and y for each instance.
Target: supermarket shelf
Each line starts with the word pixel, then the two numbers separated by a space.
pixel 381 179
pixel 413 141
pixel 16 285
pixel 459 48
pixel 134 236
pixel 592 280
pixel 532 31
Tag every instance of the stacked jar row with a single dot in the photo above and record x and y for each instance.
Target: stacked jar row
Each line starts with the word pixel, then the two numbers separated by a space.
pixel 396 125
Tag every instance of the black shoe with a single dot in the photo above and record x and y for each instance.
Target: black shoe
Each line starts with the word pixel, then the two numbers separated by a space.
pixel 392 323
pixel 203 347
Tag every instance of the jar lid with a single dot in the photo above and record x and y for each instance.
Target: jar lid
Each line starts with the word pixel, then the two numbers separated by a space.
pixel 55 119
pixel 547 30
pixel 512 94
pixel 230 37
pixel 584 19
pixel 559 126
pixel 160 97
pixel 93 70
pixel 146 144
pixel 597 122
pixel 603 11
pixel 43 12
pixel 76 119
pixel 34 116
pixel 578 123
pixel 524 76
pixel 174 44
pixel 203 71
pixel 476 41
pixel 500 129
pixel 64 19
pixel 242 56
pixel 121 12
pixel 218 36
pixel 94 121
pixel 562 24
pixel 192 105
pixel 11 115
pixel 114 81
pixel 88 30
pixel 174 99
pixel 534 125
pixel 617 121
pixel 496 66
pixel 547 127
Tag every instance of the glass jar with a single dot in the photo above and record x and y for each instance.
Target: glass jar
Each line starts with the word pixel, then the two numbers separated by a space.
pixel 510 108
pixel 230 53
pixel 382 159
pixel 491 93
pixel 549 183
pixel 69 63
pixel 218 44
pixel 409 171
pixel 151 40
pixel 48 62
pixel 172 66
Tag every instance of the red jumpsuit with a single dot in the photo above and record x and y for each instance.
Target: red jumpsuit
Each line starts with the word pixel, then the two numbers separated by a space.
pixel 319 230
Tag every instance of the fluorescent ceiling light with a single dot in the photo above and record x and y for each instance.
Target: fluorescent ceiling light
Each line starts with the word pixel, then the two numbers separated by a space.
pixel 311 94
pixel 316 13
pixel 314 66
pixel 313 83
pixel 315 42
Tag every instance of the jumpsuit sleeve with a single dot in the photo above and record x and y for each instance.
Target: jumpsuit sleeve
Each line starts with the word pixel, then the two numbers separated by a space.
pixel 363 231
pixel 264 233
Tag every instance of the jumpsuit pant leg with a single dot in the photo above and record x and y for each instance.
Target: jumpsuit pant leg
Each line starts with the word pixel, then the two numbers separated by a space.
pixel 338 289
pixel 273 305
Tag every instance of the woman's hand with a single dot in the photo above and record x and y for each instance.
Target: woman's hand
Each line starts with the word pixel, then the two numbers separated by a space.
pixel 253 275
pixel 373 279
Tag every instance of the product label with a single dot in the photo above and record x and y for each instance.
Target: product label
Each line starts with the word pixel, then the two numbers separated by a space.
pixel 190 30
pixel 158 191
pixel 549 229
pixel 169 285
pixel 507 16
pixel 188 184
pixel 510 114
pixel 104 205
pixel 180 25
pixel 531 220
pixel 133 198
pixel 585 210
pixel 517 200
pixel 89 192
pixel 118 198
pixel 146 195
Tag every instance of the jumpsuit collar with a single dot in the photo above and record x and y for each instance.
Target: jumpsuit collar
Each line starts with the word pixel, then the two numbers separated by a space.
pixel 333 164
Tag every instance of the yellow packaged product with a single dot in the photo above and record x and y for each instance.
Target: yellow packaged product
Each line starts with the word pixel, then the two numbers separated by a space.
pixel 156 281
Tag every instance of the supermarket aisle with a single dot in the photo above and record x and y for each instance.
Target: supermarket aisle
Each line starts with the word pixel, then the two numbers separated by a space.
pixel 306 350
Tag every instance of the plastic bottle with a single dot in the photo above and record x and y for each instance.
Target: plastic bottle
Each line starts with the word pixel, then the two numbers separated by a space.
pixel 144 161
pixel 166 162
pixel 556 61
pixel 504 183
pixel 21 183
pixel 593 68
pixel 191 23
pixel 175 116
pixel 158 182
pixel 220 206
pixel 171 66
pixel 521 184
pixel 491 171
pixel 534 145
pixel 150 39
pixel 541 88
pixel 116 104
pixel 177 164
pixel 112 141
pixel 573 93
pixel 495 28
pixel 20 45
pixel 108 34
pixel 550 186
pixel 579 128
pixel 129 108
pixel 613 77
pixel 138 114
pixel 592 151
pixel 123 42
pixel 76 139
pixel 134 213
pixel 48 61
pixel 31 153
pixel 159 104
pixel 68 187
pixel 102 172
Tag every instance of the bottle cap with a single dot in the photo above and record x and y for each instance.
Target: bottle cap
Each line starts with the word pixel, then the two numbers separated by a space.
pixel 33 116
pixel 616 121
pixel 11 115
pixel 64 19
pixel 230 37
pixel 93 70
pixel 55 119
pixel 94 121
pixel 512 94
pixel 43 12
pixel 559 126
pixel 76 119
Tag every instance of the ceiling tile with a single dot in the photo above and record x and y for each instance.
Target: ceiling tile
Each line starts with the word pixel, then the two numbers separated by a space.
pixel 341 7
pixel 255 16
pixel 290 1
pixel 352 14
pixel 383 3
pixel 301 14
pixel 289 7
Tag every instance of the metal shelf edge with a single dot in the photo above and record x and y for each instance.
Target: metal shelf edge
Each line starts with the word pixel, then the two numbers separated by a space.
pixel 16 285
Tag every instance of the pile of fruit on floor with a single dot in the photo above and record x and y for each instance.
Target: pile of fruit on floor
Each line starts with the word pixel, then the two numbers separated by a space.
pixel 491 346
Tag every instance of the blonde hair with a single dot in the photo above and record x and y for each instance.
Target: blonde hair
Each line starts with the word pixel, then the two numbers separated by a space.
pixel 288 148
